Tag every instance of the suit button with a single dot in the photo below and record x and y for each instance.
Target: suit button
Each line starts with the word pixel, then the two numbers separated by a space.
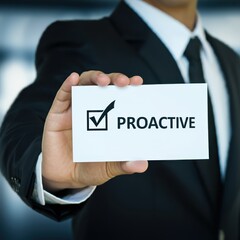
pixel 16 184
pixel 221 235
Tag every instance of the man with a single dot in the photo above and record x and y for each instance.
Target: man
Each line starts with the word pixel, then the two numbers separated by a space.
pixel 141 42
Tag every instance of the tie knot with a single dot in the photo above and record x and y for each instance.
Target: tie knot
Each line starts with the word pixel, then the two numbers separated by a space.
pixel 192 51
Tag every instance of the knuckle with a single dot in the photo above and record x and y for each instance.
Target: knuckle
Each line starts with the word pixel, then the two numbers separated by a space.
pixel 97 73
pixel 120 79
pixel 109 169
pixel 120 76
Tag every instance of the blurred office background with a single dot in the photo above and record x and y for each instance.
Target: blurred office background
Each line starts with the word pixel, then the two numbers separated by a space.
pixel 21 25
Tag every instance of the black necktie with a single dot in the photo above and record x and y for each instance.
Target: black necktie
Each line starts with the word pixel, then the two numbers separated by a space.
pixel 192 53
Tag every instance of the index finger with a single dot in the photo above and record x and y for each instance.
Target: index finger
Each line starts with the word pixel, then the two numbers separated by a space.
pixel 62 99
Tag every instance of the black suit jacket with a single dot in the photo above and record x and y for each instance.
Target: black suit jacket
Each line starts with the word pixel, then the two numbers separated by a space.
pixel 171 200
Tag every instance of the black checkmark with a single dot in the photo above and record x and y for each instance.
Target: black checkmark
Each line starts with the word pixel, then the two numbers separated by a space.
pixel 105 112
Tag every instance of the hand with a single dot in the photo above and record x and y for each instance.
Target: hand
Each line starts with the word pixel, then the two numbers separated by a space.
pixel 58 169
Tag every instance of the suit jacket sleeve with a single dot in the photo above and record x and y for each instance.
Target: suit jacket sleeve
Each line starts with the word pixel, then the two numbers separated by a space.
pixel 58 54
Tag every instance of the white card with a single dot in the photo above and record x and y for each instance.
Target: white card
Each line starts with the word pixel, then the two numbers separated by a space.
pixel 148 122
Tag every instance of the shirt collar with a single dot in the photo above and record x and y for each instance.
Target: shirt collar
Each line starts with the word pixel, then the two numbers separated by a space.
pixel 176 35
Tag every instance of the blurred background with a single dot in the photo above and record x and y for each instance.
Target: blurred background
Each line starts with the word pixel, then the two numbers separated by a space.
pixel 21 25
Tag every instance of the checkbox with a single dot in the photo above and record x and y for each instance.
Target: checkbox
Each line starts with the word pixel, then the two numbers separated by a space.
pixel 98 119
pixel 96 125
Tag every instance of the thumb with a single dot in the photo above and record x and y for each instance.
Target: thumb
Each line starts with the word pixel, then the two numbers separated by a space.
pixel 114 169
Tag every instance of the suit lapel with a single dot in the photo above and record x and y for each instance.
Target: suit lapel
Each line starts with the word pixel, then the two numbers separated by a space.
pixel 149 47
pixel 160 60
pixel 232 179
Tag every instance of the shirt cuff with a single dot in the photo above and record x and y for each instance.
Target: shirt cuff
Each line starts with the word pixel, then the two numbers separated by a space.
pixel 41 196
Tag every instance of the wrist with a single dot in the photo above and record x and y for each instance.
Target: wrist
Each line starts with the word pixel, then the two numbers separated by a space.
pixel 54 187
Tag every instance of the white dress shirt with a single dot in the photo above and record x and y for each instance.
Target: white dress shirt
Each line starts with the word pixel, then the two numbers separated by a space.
pixel 176 37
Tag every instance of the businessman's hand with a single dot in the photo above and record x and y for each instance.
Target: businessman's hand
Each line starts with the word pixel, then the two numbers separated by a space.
pixel 58 170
